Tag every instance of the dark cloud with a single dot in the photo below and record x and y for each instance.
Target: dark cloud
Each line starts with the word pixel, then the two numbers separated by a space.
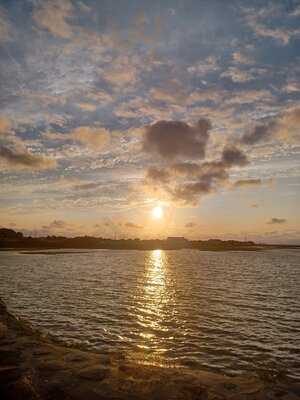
pixel 257 134
pixel 189 193
pixel 186 168
pixel 274 221
pixel 232 156
pixel 158 175
pixel 187 182
pixel 176 139
pixel 17 158
pixel 185 187
pixel 210 176
pixel 248 182
pixel 283 127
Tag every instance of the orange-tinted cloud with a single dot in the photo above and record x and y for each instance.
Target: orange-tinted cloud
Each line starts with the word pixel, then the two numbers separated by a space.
pixel 52 15
pixel 94 138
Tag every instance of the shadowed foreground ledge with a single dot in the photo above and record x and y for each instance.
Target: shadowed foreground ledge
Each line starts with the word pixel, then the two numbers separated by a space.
pixel 34 367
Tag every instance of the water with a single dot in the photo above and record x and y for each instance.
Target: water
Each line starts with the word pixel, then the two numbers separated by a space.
pixel 230 311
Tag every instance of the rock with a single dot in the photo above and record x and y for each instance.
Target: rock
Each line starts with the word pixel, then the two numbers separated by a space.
pixel 76 358
pixel 93 373
pixel 230 386
pixel 8 357
pixel 3 331
pixel 3 309
pixel 9 374
pixel 41 352
pixel 21 390
pixel 49 368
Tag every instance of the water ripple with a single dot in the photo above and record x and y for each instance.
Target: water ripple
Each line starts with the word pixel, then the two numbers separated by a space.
pixel 231 312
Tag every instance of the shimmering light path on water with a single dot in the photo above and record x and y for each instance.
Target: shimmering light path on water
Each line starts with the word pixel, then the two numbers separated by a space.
pixel 229 311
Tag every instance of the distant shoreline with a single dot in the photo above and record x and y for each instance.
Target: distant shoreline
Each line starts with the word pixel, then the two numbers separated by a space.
pixel 11 240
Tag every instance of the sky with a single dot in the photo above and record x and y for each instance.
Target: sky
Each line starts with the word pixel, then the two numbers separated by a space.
pixel 112 108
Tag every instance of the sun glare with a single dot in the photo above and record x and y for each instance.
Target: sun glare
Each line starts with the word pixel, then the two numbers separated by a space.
pixel 157 212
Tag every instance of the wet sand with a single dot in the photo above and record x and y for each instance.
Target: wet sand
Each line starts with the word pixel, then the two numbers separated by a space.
pixel 36 368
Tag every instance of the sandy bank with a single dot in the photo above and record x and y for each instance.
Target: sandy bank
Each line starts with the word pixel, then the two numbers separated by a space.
pixel 33 367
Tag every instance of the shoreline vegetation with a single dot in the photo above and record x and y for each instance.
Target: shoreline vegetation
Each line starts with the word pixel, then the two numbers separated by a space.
pixel 10 239
pixel 35 367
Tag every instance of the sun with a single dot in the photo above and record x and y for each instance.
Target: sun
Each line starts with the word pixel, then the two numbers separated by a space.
pixel 157 212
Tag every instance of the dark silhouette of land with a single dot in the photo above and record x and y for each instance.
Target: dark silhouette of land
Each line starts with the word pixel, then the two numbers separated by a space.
pixel 9 239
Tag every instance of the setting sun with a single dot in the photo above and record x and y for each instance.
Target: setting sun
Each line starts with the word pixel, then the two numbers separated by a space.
pixel 157 212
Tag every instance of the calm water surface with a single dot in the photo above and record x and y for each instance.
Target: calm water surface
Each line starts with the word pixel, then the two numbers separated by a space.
pixel 228 311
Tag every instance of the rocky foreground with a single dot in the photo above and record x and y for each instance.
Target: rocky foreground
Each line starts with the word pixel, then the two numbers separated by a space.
pixel 33 367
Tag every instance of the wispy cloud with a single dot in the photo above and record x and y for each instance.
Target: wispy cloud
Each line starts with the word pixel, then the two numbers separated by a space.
pixel 277 221
pixel 5 26
pixel 23 159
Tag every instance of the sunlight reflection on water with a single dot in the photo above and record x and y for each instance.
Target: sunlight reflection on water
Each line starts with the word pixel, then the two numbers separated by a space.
pixel 154 297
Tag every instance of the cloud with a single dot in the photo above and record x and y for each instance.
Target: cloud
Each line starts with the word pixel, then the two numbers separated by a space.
pixel 122 73
pixel 86 186
pixel 237 75
pixel 5 26
pixel 22 158
pixel 94 138
pixel 171 94
pixel 248 182
pixel 87 106
pixel 257 21
pixel 204 67
pixel 274 221
pixel 190 225
pixel 282 36
pixel 177 178
pixel 292 86
pixel 131 225
pixel 205 94
pixel 5 126
pixel 284 126
pixel 258 133
pixel 288 126
pixel 57 224
pixel 189 193
pixel 155 174
pixel 176 139
pixel 250 96
pixel 233 156
pixel 186 168
pixel 187 182
pixel 52 16
pixel 242 58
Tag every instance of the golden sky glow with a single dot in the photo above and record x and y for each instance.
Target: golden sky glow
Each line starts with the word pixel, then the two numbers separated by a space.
pixel 124 121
